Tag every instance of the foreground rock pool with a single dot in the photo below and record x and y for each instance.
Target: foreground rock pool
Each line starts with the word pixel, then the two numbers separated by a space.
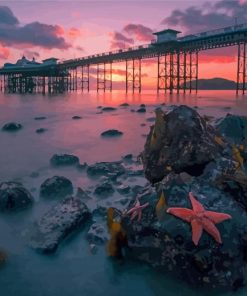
pixel 80 265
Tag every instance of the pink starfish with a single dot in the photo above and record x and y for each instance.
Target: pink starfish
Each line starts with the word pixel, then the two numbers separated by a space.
pixel 137 210
pixel 200 219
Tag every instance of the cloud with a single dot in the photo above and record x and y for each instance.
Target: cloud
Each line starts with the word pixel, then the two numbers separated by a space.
pixel 119 40
pixel 74 33
pixel 31 54
pixel 31 35
pixel 219 14
pixel 7 17
pixel 210 16
pixel 4 52
pixel 139 32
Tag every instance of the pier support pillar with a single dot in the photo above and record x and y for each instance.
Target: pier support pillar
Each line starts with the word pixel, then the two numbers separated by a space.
pixel 85 78
pixel 242 67
pixel 104 77
pixel 133 75
pixel 177 71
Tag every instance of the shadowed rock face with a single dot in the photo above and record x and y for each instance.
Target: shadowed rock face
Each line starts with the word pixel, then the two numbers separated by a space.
pixel 56 186
pixel 185 154
pixel 13 196
pixel 180 141
pixel 57 223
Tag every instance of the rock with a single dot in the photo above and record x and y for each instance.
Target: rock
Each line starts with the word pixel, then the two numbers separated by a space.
pixel 109 169
pixel 124 105
pixel 104 189
pixel 167 243
pixel 56 186
pixel 100 211
pixel 41 130
pixel 112 133
pixel 128 157
pixel 64 160
pixel 76 117
pixel 56 224
pixel 108 109
pixel 181 141
pixel 233 128
pixel 12 127
pixel 97 234
pixel 40 118
pixel 142 106
pixel 123 189
pixel 81 166
pixel 99 107
pixel 141 110
pixel 93 248
pixel 13 196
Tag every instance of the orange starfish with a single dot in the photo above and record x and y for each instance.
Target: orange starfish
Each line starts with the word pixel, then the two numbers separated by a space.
pixel 200 219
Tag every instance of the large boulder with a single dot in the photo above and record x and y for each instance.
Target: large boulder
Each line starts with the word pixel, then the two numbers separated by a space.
pixel 180 141
pixel 166 242
pixel 233 128
pixel 56 186
pixel 58 223
pixel 13 196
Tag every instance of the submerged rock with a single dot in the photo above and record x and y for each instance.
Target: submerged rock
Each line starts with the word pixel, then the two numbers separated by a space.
pixel 64 160
pixel 13 196
pixel 97 234
pixel 108 109
pixel 141 110
pixel 39 118
pixel 104 189
pixel 112 133
pixel 60 221
pixel 124 105
pixel 76 117
pixel 181 141
pixel 56 186
pixel 108 169
pixel 233 128
pixel 41 130
pixel 12 127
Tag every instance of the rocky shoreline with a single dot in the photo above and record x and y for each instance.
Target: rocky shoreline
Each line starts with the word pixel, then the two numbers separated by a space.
pixel 207 160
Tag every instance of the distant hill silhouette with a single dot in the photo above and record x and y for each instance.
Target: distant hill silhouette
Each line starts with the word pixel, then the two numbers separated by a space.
pixel 216 83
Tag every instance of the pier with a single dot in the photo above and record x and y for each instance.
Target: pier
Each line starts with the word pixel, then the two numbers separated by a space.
pixel 177 65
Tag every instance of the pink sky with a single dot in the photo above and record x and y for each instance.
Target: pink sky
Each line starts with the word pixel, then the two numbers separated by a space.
pixel 68 29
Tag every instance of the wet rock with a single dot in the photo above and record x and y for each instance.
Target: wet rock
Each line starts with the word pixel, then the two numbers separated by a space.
pixel 151 119
pixel 82 166
pixel 180 140
pixel 124 105
pixel 128 157
pixel 112 133
pixel 97 234
pixel 82 194
pixel 12 127
pixel 100 211
pixel 40 118
pixel 64 160
pixel 76 117
pixel 108 169
pixel 56 186
pixel 167 243
pixel 105 189
pixel 233 128
pixel 60 221
pixel 41 130
pixel 141 110
pixel 13 196
pixel 142 106
pixel 109 109
pixel 123 189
